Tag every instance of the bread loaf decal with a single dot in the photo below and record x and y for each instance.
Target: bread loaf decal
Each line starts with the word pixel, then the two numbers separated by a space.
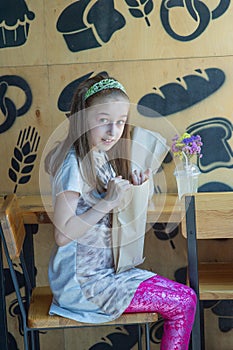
pixel 181 94
pixel 85 25
pixel 198 14
pixel 15 19
pixel 216 134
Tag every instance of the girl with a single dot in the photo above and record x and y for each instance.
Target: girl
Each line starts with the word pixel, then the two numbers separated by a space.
pixel 90 173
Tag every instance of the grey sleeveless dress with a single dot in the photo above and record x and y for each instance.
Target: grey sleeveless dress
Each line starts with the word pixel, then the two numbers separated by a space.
pixel 81 274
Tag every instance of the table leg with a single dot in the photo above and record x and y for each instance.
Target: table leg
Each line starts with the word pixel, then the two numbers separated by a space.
pixel 3 315
pixel 29 257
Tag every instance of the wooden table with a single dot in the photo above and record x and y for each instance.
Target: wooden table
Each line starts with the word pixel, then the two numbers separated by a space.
pixel 163 207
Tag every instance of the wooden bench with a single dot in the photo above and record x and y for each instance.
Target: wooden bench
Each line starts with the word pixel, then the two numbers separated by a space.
pixel 35 312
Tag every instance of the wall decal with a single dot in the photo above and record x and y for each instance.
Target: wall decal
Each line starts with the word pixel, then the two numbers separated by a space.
pixel 86 27
pixel 197 11
pixel 216 150
pixel 224 309
pixel 156 331
pixel 140 8
pixel 215 186
pixel 24 157
pixel 181 275
pixel 124 338
pixel 9 289
pixel 14 311
pixel 168 159
pixel 184 93
pixel 166 231
pixel 7 106
pixel 65 97
pixel 12 345
pixel 15 19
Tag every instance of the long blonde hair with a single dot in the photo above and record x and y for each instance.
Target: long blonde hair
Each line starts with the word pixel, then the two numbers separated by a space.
pixel 79 136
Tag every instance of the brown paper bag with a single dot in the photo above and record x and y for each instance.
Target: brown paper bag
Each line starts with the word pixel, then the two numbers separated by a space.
pixel 128 228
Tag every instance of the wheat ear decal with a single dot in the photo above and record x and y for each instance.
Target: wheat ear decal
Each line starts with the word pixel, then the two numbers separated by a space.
pixel 24 157
pixel 140 8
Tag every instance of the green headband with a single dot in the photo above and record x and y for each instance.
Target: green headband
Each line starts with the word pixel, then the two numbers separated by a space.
pixel 102 85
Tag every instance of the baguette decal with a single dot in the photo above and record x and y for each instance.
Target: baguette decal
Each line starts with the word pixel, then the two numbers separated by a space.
pixel 181 94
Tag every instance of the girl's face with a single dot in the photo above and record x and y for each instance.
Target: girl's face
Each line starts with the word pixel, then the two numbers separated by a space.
pixel 106 121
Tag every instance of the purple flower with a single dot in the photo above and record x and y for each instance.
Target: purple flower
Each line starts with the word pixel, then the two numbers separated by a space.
pixel 187 146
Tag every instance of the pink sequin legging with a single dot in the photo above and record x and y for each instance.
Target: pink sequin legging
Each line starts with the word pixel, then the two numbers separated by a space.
pixel 175 302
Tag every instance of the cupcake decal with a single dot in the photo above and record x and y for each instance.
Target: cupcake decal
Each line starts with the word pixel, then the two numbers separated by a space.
pixel 86 27
pixel 15 19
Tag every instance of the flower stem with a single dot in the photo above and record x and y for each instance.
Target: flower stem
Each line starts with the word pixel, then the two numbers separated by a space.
pixel 186 159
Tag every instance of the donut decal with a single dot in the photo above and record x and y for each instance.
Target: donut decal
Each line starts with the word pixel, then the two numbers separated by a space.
pixel 7 107
pixel 197 12
pixel 15 20
pixel 85 26
pixel 181 94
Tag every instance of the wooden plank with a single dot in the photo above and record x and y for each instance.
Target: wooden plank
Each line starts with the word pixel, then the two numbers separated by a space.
pixel 41 300
pixel 214 215
pixel 162 208
pixel 12 225
pixel 216 281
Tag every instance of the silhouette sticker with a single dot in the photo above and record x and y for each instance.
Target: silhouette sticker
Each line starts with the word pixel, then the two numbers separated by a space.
pixel 123 337
pixel 86 27
pixel 197 11
pixel 25 153
pixel 65 97
pixel 15 20
pixel 216 150
pixel 140 9
pixel 215 186
pixel 7 107
pixel 184 93
pixel 224 309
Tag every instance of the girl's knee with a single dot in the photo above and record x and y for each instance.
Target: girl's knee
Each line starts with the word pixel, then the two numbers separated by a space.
pixel 193 296
pixel 191 301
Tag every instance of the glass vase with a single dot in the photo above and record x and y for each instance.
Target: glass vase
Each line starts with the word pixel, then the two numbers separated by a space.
pixel 186 178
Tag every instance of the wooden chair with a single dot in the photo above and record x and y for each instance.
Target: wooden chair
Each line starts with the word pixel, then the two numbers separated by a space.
pixel 35 311
pixel 208 216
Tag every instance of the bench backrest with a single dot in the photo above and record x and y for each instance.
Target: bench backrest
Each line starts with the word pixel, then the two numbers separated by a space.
pixel 12 225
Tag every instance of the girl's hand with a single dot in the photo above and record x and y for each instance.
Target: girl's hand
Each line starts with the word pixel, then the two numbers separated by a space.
pixel 116 190
pixel 139 177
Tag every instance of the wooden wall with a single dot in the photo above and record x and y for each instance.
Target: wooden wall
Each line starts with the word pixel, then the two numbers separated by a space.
pixel 174 57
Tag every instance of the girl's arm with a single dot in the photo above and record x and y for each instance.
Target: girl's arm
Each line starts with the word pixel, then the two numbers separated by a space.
pixel 69 226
